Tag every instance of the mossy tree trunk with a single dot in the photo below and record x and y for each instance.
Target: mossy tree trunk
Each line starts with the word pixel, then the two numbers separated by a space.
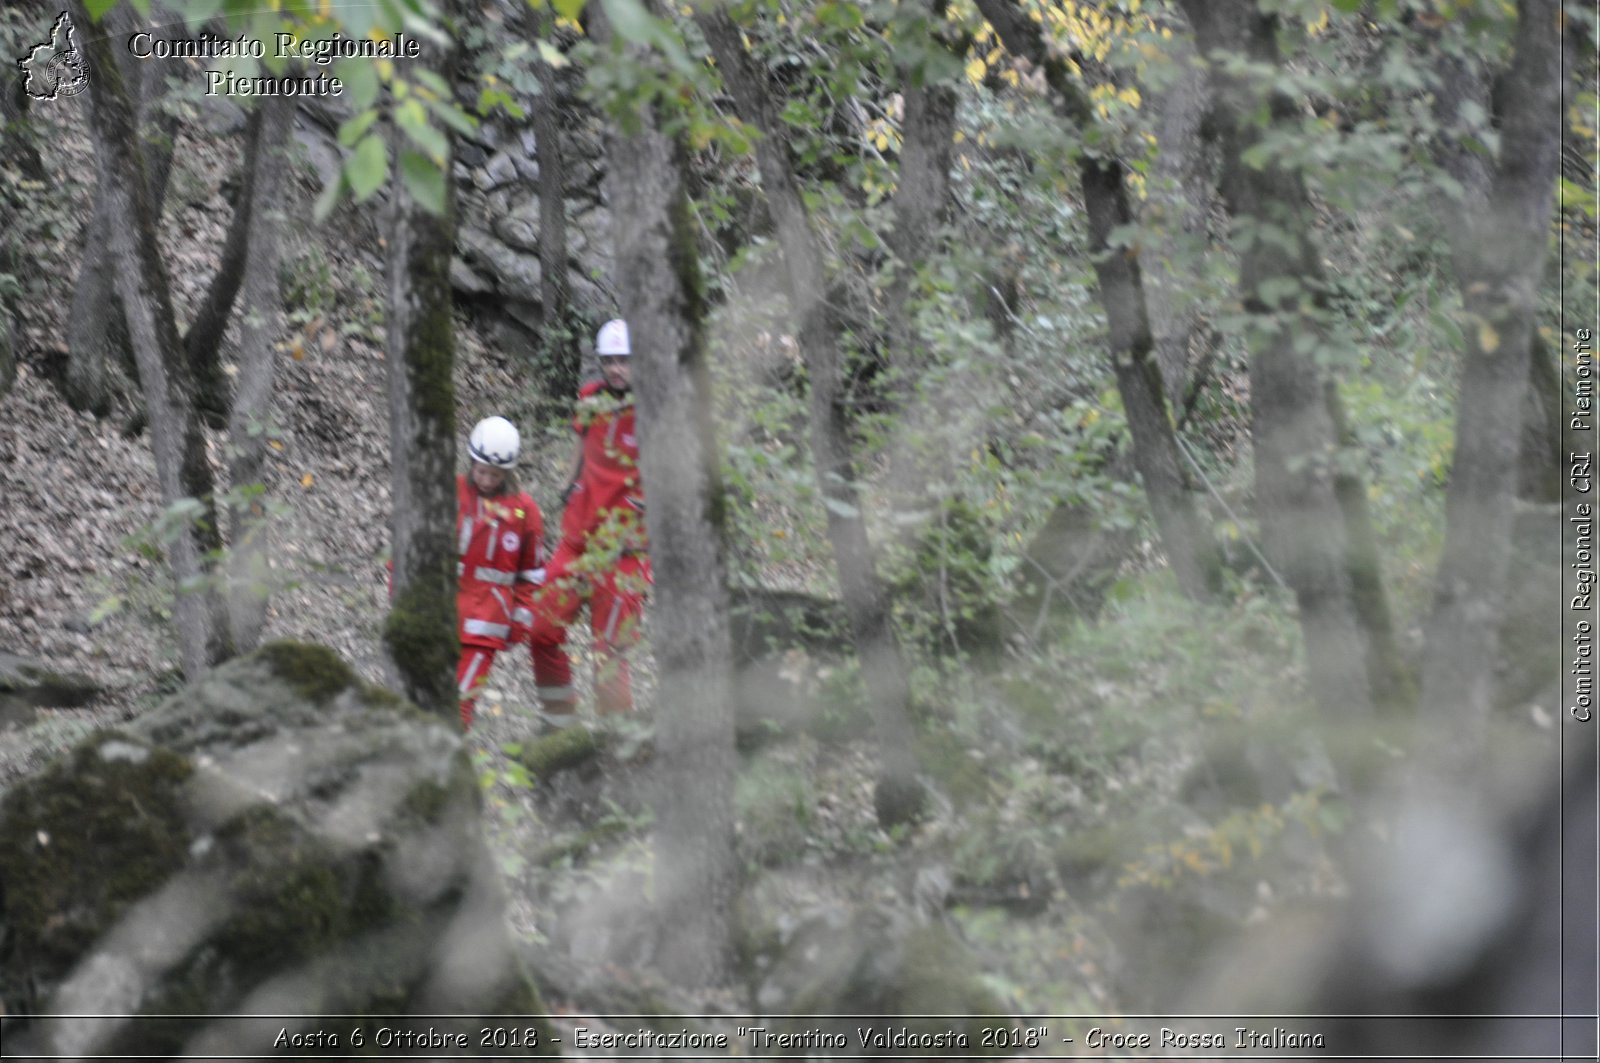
pixel 659 282
pixel 899 793
pixel 261 319
pixel 1190 548
pixel 1499 268
pixel 177 440
pixel 419 633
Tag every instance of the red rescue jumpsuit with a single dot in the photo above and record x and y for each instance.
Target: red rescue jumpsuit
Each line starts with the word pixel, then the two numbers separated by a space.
pixel 601 558
pixel 500 540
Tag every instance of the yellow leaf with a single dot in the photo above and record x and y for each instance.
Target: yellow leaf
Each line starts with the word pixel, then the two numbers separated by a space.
pixel 297 351
pixel 275 444
pixel 1488 338
pixel 307 480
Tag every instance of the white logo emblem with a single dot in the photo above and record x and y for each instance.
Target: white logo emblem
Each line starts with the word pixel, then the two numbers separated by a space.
pixel 55 69
pixel 510 540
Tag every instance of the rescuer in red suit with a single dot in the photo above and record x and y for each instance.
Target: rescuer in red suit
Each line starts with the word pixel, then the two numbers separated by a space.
pixel 601 558
pixel 500 543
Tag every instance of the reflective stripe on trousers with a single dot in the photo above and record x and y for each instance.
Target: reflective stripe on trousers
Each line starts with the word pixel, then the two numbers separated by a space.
pixel 486 627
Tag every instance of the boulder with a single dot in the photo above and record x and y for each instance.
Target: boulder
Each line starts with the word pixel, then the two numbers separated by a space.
pixel 276 842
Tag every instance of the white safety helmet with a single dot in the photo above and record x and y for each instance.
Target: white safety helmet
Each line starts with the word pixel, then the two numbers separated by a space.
pixel 612 342
pixel 495 441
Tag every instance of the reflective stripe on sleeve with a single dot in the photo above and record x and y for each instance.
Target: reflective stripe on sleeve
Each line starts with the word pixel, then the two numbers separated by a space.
pixel 495 576
pixel 522 615
pixel 534 576
pixel 470 679
pixel 611 621
pixel 464 540
pixel 486 627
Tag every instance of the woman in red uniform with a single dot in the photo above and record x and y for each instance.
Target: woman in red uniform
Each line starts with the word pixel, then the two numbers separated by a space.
pixel 500 542
pixel 601 558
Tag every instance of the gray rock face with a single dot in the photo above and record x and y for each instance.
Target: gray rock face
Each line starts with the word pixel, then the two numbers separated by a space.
pixel 279 839
pixel 26 685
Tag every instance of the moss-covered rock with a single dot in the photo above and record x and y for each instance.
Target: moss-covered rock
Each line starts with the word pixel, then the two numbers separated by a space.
pixel 279 838
pixel 560 750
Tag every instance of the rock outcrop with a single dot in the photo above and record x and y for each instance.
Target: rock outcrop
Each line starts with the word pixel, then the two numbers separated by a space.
pixel 278 840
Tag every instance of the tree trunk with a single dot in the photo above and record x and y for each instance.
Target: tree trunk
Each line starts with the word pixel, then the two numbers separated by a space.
pixel 1458 79
pixel 560 335
pixel 419 633
pixel 1499 272
pixel 1313 514
pixel 177 440
pixel 202 344
pixel 899 794
pixel 260 321
pixel 921 200
pixel 97 331
pixel 659 283
pixel 1189 545
pixel 1180 195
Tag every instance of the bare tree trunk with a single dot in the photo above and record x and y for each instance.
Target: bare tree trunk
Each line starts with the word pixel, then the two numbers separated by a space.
pixel 97 332
pixel 562 351
pixel 1459 79
pixel 419 633
pixel 1189 545
pixel 659 283
pixel 202 344
pixel 1499 271
pixel 178 443
pixel 899 794
pixel 1180 195
pixel 922 198
pixel 1314 518
pixel 261 319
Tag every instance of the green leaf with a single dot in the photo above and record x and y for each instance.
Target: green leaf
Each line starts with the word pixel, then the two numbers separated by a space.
pixel 98 8
pixel 360 76
pixel 412 118
pixel 434 83
pixel 366 168
pixel 454 117
pixel 143 7
pixel 198 12
pixel 424 180
pixel 553 55
pixel 631 21
pixel 569 8
pixel 328 199
pixel 356 128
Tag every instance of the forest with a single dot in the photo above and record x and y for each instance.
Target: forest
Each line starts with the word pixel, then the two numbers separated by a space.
pixel 1120 505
